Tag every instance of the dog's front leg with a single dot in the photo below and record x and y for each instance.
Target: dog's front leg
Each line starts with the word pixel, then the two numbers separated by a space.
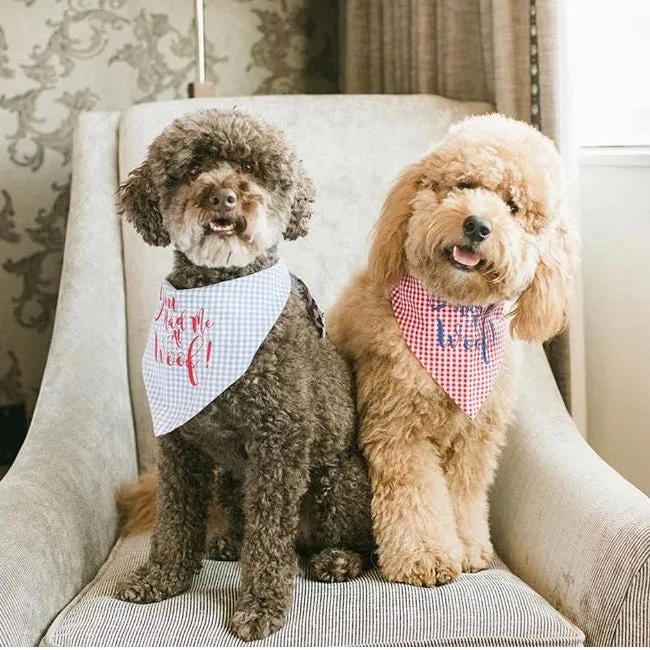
pixel 469 475
pixel 275 482
pixel 178 541
pixel 473 527
pixel 412 513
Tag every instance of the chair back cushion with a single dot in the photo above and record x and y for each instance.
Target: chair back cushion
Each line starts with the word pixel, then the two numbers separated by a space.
pixel 354 147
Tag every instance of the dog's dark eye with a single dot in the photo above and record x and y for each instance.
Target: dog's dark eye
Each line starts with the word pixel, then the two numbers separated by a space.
pixel 194 171
pixel 247 167
pixel 514 208
pixel 466 186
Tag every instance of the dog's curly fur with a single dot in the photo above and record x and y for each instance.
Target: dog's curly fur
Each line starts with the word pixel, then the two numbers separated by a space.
pixel 283 437
pixel 430 465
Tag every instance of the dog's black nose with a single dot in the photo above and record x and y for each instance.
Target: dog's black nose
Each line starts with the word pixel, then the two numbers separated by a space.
pixel 476 229
pixel 223 199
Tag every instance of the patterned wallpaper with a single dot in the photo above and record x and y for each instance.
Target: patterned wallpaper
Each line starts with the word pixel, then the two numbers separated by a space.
pixel 61 57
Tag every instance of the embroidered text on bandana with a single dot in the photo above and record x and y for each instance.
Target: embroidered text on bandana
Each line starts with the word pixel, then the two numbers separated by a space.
pixel 202 341
pixel 461 346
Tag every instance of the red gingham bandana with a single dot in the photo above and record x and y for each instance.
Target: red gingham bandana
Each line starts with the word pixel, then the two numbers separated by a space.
pixel 460 346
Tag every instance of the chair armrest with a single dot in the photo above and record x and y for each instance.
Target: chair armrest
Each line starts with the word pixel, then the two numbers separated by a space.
pixel 57 512
pixel 567 523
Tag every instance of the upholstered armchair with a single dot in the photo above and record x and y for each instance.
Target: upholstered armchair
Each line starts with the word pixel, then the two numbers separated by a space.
pixel 572 536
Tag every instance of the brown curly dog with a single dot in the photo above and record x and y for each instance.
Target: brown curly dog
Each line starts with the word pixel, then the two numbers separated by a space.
pixel 224 188
pixel 481 220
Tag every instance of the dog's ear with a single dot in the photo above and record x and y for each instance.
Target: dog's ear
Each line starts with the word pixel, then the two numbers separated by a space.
pixel 541 310
pixel 386 260
pixel 302 208
pixel 138 202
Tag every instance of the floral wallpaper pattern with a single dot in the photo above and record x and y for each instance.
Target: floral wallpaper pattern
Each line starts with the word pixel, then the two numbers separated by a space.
pixel 61 57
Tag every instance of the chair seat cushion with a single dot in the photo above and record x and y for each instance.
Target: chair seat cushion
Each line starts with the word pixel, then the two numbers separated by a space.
pixel 492 607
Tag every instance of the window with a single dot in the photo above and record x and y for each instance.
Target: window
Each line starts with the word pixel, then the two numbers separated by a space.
pixel 609 49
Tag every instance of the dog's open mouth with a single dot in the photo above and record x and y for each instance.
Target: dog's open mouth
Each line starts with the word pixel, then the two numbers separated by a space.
pixel 464 258
pixel 220 228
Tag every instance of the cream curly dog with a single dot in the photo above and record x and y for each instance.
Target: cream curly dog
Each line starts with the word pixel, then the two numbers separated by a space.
pixel 482 220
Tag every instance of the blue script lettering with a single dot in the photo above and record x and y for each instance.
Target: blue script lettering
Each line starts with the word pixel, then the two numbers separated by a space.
pixel 482 335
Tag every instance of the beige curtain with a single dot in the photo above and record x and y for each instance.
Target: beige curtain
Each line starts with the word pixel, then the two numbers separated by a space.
pixel 501 51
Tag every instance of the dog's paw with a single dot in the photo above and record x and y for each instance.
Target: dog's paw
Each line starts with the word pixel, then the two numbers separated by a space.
pixel 254 622
pixel 151 583
pixel 224 547
pixel 335 565
pixel 477 557
pixel 427 568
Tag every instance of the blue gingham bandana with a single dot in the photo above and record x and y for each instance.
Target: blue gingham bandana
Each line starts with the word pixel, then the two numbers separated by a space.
pixel 202 341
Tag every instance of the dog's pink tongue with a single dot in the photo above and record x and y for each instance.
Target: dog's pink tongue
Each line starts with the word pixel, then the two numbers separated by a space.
pixel 467 258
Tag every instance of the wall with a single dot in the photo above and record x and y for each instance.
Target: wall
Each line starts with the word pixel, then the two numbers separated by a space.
pixel 616 232
pixel 60 57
